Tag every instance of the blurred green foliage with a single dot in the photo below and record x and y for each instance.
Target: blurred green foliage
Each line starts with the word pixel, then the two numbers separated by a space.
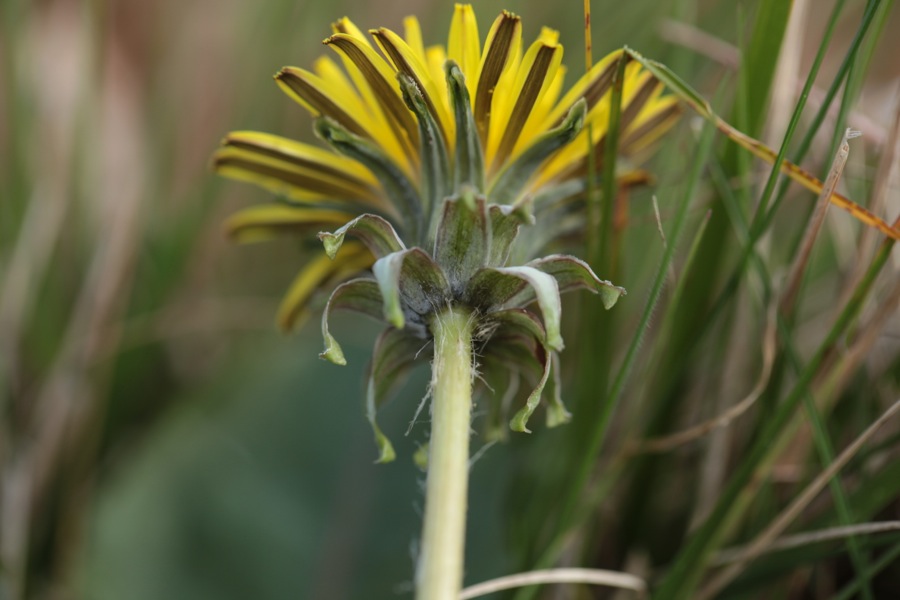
pixel 205 456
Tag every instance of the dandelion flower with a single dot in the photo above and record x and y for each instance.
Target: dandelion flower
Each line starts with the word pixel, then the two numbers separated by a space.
pixel 452 169
pixel 437 158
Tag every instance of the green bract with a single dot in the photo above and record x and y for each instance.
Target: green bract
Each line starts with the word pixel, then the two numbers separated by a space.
pixel 451 172
pixel 465 257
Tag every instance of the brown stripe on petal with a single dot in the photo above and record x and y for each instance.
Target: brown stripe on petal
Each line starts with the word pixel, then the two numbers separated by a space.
pixel 633 140
pixel 599 86
pixel 403 66
pixel 496 56
pixel 292 176
pixel 296 81
pixel 637 102
pixel 325 170
pixel 531 89
pixel 595 90
pixel 399 117
pixel 630 112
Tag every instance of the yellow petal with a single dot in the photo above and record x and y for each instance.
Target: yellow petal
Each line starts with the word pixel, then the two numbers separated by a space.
pixel 305 182
pixel 542 108
pixel 319 272
pixel 654 121
pixel 501 51
pixel 378 85
pixel 571 160
pixel 347 27
pixel 645 87
pixel 321 98
pixel 261 223
pixel 404 59
pixel 413 34
pixel 464 44
pixel 593 87
pixel 512 108
pixel 303 155
pixel 435 59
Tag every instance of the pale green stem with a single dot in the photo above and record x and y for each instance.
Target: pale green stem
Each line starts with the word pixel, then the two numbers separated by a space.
pixel 440 570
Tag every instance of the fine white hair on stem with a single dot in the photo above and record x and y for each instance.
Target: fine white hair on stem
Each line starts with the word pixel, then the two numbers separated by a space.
pixel 422 349
pixel 614 579
pixel 422 402
pixel 480 453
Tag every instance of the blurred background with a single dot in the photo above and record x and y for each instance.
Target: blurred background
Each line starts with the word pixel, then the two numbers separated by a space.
pixel 160 439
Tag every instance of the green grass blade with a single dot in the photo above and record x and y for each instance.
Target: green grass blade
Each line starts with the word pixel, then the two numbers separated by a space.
pixel 689 566
pixel 589 453
pixel 816 124
pixel 887 559
pixel 761 59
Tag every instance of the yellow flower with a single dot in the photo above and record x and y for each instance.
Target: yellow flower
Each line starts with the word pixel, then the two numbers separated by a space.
pixel 411 125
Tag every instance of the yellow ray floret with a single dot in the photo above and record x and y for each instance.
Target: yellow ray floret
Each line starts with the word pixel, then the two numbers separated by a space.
pixel 320 272
pixel 406 61
pixel 512 109
pixel 264 222
pixel 298 171
pixel 464 44
pixel 384 106
pixel 516 95
pixel 500 57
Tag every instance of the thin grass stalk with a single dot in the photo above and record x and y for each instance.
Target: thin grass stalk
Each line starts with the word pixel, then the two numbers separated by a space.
pixel 589 454
pixel 886 560
pixel 758 218
pixel 687 569
pixel 730 555
pixel 603 258
pixel 674 302
pixel 596 354
pixel 439 574
pixel 787 303
pixel 14 14
pixel 795 278
pixel 763 219
pixel 806 142
pixel 588 43
pixel 855 77
pixel 857 74
pixel 887 166
pixel 825 449
pixel 599 577
pixel 796 507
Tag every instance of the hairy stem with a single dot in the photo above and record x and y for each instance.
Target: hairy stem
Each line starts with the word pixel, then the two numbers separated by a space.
pixel 440 570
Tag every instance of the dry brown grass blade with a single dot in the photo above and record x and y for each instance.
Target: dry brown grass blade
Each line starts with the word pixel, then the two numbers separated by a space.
pixel 884 174
pixel 763 542
pixel 729 56
pixel 703 43
pixel 30 259
pixel 787 81
pixel 670 442
pixel 614 579
pixel 63 433
pixel 795 277
pixel 730 555
pixel 702 107
pixel 841 376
